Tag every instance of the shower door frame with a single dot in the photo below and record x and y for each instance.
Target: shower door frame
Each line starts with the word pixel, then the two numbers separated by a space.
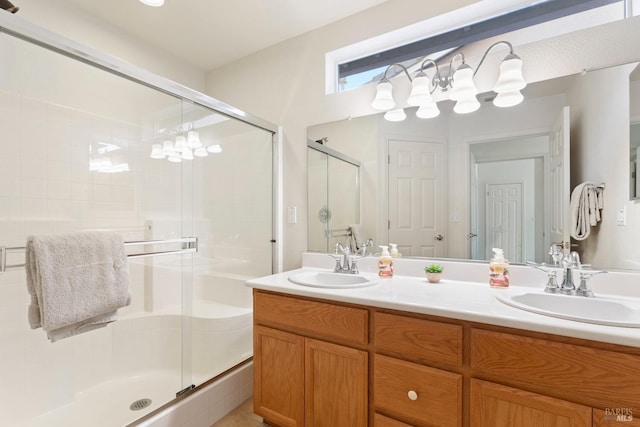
pixel 22 29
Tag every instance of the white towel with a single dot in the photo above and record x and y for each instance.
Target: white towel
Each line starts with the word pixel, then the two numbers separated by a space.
pixel 586 202
pixel 77 281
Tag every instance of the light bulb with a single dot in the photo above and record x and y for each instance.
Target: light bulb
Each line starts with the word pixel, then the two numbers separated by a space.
pixel 187 154
pixel 167 147
pixel 153 3
pixel 462 85
pixel 510 78
pixel 181 143
pixel 508 99
pixel 395 115
pixel 428 111
pixel 420 91
pixel 200 152
pixel 193 139
pixel 465 106
pixel 156 152
pixel 384 96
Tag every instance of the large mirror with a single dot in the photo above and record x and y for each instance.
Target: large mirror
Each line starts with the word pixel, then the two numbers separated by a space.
pixel 456 185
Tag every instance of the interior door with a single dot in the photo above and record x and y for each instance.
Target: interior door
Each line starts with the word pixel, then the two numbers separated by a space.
pixel 560 185
pixel 417 197
pixel 504 220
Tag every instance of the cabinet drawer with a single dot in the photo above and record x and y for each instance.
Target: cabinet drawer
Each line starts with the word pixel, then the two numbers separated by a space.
pixel 418 339
pixel 602 378
pixel 320 318
pixel 382 421
pixel 437 394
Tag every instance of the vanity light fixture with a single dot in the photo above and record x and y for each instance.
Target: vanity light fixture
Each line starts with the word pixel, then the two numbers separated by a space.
pixel 458 83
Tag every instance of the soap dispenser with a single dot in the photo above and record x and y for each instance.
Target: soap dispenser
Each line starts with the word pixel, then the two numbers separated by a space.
pixel 394 251
pixel 498 270
pixel 385 263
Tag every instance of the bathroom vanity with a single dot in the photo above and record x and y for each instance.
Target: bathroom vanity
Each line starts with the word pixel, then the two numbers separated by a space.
pixel 405 352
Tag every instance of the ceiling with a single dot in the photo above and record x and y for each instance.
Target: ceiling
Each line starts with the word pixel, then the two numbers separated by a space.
pixel 211 33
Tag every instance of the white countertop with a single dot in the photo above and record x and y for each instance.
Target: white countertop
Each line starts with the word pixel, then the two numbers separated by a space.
pixel 454 299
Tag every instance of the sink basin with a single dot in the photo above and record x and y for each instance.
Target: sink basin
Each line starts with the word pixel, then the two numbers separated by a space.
pixel 601 311
pixel 323 279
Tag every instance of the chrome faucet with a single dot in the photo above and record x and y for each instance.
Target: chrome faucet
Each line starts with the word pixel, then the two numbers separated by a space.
pixel 345 263
pixel 569 262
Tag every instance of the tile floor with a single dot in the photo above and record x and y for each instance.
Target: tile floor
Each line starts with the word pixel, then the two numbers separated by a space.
pixel 242 416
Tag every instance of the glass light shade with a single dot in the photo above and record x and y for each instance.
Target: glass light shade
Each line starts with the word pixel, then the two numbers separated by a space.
pixel 462 85
pixel 395 115
pixel 181 144
pixel 175 158
pixel 215 148
pixel 508 99
pixel 428 111
pixel 420 91
pixel 384 97
pixel 156 152
pixel 154 3
pixel 167 147
pixel 187 154
pixel 465 106
pixel 193 139
pixel 200 152
pixel 510 78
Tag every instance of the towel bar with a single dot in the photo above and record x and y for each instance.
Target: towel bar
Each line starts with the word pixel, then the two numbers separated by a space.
pixel 189 245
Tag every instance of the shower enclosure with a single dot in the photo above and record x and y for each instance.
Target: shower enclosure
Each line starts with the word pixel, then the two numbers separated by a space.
pixel 91 143
pixel 333 188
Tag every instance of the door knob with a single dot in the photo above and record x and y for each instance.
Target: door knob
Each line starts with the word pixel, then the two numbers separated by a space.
pixel 471 235
pixel 438 237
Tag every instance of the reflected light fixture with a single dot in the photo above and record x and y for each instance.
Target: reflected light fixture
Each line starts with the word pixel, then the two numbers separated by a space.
pixel 153 3
pixel 184 148
pixel 459 83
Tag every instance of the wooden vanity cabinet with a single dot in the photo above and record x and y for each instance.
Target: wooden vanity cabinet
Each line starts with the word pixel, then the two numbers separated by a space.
pixel 301 378
pixel 319 363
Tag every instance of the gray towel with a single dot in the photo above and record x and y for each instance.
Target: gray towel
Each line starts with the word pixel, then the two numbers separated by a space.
pixel 77 281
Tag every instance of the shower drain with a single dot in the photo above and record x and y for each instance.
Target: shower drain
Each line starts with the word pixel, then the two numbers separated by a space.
pixel 140 404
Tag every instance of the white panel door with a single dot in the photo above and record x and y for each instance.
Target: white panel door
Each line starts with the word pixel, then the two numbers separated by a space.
pixel 417 197
pixel 504 220
pixel 560 184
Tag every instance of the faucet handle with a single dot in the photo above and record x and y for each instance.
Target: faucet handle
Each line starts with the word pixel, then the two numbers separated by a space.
pixel 584 276
pixel 552 282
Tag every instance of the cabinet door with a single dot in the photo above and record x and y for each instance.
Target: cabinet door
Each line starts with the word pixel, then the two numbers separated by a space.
pixel 495 405
pixel 278 389
pixel 336 385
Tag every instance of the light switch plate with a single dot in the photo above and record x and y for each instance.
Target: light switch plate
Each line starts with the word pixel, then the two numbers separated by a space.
pixel 292 215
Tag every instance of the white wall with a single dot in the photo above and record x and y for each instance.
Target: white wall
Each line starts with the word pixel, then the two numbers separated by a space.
pixel 600 153
pixel 60 17
pixel 286 83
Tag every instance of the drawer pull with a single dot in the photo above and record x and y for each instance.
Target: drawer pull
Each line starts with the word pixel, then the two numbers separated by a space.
pixel 412 395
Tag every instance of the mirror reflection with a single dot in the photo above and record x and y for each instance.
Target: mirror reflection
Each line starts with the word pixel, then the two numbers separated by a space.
pixel 457 185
